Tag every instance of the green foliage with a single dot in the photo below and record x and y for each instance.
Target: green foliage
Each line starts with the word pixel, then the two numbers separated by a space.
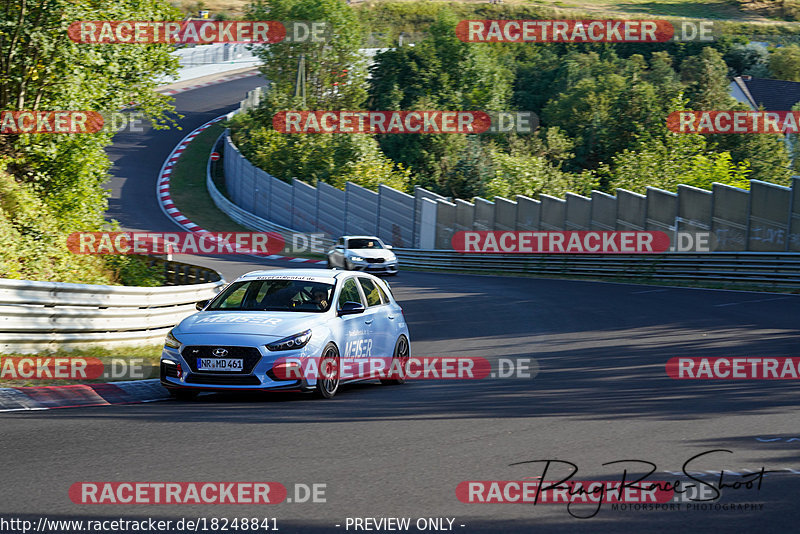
pixel 531 176
pixel 326 87
pixel 673 160
pixel 748 59
pixel 602 106
pixel 329 158
pixel 784 63
pixel 42 69
pixel 35 246
pixel 706 78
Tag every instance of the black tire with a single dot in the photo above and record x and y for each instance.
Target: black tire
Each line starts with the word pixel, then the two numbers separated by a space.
pixel 328 377
pixel 402 352
pixel 183 394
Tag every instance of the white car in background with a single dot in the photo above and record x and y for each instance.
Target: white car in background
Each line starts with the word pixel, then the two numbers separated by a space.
pixel 362 253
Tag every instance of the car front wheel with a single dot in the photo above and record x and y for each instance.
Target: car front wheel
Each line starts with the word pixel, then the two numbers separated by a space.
pixel 328 373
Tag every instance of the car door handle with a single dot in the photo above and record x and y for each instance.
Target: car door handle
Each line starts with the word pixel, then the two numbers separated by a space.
pixel 368 322
pixel 390 316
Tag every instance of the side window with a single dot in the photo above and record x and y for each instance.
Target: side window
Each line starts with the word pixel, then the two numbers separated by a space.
pixel 371 291
pixel 384 297
pixel 349 292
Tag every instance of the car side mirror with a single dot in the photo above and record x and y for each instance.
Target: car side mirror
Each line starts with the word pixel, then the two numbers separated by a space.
pixel 201 305
pixel 389 247
pixel 351 308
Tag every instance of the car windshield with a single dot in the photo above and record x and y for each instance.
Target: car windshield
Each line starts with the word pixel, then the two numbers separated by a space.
pixel 364 243
pixel 275 295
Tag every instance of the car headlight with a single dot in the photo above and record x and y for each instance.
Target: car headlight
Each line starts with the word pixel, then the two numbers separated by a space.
pixel 171 341
pixel 292 342
pixel 356 258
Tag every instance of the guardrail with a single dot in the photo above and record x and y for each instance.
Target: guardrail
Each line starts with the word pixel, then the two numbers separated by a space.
pixel 729 268
pixel 177 273
pixel 39 316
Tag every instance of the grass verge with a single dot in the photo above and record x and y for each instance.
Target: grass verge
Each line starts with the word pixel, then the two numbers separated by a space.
pixel 190 195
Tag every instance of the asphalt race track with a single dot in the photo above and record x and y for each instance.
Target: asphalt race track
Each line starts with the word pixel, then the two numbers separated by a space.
pixel 601 395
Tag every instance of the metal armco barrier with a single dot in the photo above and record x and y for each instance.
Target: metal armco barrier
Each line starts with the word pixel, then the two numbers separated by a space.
pixel 177 273
pixel 39 316
pixel 742 268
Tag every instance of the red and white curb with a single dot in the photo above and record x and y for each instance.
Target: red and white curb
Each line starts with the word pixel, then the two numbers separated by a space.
pixel 171 211
pixel 73 396
pixel 212 82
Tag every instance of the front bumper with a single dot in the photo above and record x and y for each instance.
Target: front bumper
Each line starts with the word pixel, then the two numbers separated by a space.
pixel 179 372
pixel 388 267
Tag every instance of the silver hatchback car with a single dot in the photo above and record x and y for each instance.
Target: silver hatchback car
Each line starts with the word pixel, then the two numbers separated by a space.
pixel 279 330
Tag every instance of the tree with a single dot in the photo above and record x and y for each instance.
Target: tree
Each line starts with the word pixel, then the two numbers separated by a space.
pixel 676 159
pixel 706 79
pixel 334 66
pixel 750 59
pixel 784 63
pixel 532 176
pixel 63 175
pixel 42 69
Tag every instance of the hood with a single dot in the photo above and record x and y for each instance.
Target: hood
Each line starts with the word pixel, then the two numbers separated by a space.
pixel 372 253
pixel 271 324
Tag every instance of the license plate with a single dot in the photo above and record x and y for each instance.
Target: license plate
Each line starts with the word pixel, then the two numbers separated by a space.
pixel 220 364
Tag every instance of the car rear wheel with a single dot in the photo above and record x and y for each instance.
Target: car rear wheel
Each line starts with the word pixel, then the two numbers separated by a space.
pixel 328 379
pixel 397 369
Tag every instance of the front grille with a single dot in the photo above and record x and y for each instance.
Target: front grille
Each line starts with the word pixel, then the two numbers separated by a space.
pixel 375 260
pixel 168 370
pixel 250 355
pixel 223 380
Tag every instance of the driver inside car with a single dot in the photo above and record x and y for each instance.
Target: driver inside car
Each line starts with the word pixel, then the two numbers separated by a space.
pixel 320 297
